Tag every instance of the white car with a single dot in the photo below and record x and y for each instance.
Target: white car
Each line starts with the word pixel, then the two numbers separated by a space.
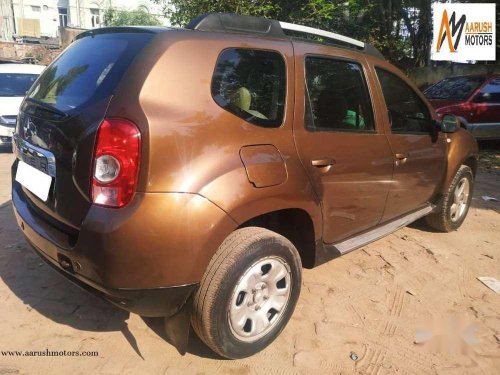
pixel 15 81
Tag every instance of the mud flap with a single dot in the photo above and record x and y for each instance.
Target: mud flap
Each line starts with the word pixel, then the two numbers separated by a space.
pixel 177 326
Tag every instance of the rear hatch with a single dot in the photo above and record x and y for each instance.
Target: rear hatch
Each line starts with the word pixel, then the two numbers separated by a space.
pixel 59 118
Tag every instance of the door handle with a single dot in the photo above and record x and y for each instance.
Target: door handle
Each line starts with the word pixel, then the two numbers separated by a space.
pixel 325 164
pixel 401 158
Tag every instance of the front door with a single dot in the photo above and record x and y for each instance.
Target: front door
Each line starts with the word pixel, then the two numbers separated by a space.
pixel 485 118
pixel 419 150
pixel 346 155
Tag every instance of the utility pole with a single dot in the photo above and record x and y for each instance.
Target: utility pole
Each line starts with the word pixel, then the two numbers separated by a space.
pixel 13 16
pixel 79 18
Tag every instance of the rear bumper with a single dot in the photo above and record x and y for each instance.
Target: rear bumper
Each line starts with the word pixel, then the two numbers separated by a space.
pixel 161 301
pixel 147 258
pixel 485 131
pixel 154 302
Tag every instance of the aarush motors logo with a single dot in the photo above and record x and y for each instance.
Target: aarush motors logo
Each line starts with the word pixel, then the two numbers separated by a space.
pixel 464 32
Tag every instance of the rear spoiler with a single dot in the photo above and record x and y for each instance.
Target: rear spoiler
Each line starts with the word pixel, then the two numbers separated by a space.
pixel 123 29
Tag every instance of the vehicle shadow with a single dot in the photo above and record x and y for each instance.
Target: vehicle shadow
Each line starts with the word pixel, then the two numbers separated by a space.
pixel 195 346
pixel 55 297
pixel 44 290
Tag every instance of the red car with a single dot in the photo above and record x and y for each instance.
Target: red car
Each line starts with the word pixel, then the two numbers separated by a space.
pixel 476 99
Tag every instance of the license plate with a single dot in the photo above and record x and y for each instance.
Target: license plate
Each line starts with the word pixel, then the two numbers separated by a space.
pixel 34 180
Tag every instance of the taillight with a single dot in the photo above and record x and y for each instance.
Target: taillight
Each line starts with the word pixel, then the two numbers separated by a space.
pixel 116 162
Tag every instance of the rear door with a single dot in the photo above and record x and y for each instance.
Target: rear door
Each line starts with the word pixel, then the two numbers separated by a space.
pixel 419 151
pixel 59 118
pixel 340 144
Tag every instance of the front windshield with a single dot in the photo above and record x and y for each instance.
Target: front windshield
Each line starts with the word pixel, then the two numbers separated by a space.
pixel 458 88
pixel 16 84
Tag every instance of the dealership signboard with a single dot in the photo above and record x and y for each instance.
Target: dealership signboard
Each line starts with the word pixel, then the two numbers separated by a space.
pixel 463 32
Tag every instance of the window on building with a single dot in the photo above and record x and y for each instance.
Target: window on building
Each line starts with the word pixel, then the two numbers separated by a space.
pixel 63 17
pixel 94 17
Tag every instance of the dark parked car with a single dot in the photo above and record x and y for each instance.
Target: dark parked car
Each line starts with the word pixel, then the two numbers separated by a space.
pixel 191 173
pixel 475 99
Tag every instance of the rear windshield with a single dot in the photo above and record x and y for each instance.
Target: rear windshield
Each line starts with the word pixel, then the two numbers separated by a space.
pixel 457 88
pixel 16 84
pixel 90 68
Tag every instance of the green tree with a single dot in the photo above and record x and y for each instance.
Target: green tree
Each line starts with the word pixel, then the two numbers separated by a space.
pixel 400 29
pixel 312 12
pixel 138 17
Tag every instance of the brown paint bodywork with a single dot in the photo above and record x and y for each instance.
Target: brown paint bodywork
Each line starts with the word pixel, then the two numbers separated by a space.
pixel 192 144
pixel 353 191
pixel 416 179
pixel 264 165
pixel 205 171
pixel 462 149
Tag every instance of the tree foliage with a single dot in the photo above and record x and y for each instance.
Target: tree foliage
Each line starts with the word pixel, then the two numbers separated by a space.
pixel 137 17
pixel 400 29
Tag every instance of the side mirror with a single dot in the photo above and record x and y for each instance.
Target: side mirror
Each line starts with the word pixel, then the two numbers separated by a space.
pixel 450 124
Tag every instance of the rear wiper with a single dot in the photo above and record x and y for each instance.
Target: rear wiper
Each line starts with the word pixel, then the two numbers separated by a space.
pixel 47 107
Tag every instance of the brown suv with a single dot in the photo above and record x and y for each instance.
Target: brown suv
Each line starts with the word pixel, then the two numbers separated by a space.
pixel 191 173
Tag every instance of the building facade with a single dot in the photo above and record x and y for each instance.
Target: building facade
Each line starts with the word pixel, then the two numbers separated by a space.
pixel 42 18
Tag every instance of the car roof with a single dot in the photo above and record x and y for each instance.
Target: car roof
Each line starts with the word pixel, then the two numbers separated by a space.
pixel 21 68
pixel 237 24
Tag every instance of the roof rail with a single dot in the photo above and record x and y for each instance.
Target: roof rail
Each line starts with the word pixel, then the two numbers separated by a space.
pixel 235 23
pixel 322 33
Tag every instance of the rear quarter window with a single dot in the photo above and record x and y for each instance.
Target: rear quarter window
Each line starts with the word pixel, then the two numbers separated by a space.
pixel 90 68
pixel 251 84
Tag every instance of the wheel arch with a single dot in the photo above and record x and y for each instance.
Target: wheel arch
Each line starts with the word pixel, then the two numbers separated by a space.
pixel 296 224
pixel 462 150
pixel 472 163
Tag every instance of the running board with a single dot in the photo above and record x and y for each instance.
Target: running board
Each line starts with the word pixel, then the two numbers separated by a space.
pixel 364 239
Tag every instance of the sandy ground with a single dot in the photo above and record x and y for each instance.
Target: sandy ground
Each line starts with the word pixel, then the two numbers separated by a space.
pixel 365 312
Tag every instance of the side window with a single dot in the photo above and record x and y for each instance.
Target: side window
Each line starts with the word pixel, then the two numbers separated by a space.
pixel 407 112
pixel 251 84
pixel 491 92
pixel 338 96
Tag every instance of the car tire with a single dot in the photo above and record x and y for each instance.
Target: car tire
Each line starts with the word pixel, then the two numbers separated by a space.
pixel 248 293
pixel 454 205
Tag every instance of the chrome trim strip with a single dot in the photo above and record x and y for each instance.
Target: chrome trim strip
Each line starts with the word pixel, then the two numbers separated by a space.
pixel 484 124
pixel 21 145
pixel 356 242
